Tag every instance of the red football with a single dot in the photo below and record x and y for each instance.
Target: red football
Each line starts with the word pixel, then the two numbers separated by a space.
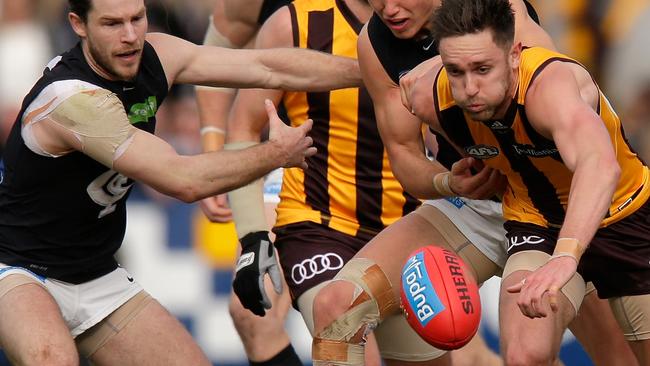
pixel 440 298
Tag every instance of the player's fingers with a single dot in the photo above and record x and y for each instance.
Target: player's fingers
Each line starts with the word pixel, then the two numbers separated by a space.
pixel 307 125
pixel 276 278
pixel 311 152
pixel 270 109
pixel 552 298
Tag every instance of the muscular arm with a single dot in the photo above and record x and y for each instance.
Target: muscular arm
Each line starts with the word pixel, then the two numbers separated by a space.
pixel 583 142
pixel 94 122
pixel 282 68
pixel 400 130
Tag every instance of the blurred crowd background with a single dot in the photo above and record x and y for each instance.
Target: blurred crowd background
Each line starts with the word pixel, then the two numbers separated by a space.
pixel 170 245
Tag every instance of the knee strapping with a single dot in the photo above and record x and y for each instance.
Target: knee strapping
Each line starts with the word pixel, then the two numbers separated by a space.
pixel 342 342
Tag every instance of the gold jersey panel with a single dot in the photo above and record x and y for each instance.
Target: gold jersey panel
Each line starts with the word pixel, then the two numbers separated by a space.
pixel 349 185
pixel 538 180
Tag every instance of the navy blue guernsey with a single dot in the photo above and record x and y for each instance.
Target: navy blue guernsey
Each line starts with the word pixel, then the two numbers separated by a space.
pixel 399 56
pixel 269 7
pixel 50 222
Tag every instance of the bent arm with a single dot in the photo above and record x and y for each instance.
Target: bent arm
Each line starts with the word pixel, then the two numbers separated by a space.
pixel 582 140
pixel 400 131
pixel 281 68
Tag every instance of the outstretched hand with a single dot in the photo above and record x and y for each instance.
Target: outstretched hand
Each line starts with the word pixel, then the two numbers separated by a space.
pixel 545 282
pixel 486 183
pixel 294 141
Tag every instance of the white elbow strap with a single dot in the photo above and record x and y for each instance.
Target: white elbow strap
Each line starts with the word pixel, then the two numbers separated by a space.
pixel 247 202
pixel 214 38
pixel 99 121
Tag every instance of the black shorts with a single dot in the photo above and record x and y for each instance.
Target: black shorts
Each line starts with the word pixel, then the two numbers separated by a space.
pixel 312 253
pixel 617 260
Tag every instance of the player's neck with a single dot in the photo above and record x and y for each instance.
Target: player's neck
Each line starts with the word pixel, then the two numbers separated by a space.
pixel 360 9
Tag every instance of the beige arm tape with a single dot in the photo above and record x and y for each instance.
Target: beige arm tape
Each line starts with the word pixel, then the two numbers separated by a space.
pixel 214 38
pixel 342 342
pixel 441 185
pixel 568 247
pixel 247 202
pixel 99 121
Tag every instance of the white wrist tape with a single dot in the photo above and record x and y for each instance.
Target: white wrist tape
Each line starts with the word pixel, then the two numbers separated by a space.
pixel 247 203
pixel 441 185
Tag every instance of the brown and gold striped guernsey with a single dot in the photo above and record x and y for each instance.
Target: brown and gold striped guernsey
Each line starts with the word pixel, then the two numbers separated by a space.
pixel 349 185
pixel 539 182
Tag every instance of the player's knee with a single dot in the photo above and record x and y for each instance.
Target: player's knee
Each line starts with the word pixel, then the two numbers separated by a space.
pixel 526 354
pixel 331 302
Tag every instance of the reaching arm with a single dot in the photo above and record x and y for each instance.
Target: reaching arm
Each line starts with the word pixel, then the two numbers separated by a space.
pixel 399 129
pixel 560 105
pixel 583 141
pixel 282 68
pixel 233 23
pixel 105 134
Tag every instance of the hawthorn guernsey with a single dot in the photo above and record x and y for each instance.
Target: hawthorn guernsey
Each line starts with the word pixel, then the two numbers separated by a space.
pixel 439 301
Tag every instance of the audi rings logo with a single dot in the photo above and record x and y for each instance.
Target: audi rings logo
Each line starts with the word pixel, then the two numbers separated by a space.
pixel 315 265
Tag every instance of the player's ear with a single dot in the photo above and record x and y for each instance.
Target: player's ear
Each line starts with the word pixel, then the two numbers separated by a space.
pixel 78 24
pixel 515 55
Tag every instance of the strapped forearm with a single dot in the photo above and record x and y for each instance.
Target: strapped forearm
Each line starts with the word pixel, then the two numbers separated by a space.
pixel 247 202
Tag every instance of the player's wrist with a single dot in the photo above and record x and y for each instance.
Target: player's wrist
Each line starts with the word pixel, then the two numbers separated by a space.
pixel 568 247
pixel 254 238
pixel 442 186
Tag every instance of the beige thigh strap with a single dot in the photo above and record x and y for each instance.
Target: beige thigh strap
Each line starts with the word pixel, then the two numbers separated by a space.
pixel 96 337
pixel 481 266
pixel 530 260
pixel 633 315
pixel 12 281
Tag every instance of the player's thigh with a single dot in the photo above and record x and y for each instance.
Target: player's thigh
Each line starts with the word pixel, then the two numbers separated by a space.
pixel 151 337
pixel 399 344
pixel 31 323
pixel 391 247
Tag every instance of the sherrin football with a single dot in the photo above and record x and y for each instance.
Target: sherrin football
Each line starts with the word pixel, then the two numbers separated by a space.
pixel 440 299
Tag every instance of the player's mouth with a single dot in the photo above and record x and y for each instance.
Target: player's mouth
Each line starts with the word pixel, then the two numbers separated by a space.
pixel 397 25
pixel 475 107
pixel 128 56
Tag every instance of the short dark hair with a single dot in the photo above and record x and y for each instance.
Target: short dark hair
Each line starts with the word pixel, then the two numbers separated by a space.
pixel 460 17
pixel 81 8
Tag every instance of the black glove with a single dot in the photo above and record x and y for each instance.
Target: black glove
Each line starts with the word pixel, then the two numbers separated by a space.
pixel 257 258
